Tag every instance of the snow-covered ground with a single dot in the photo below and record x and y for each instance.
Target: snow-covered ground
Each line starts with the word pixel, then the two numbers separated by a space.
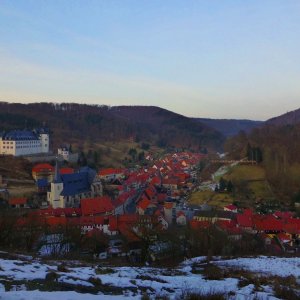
pixel 131 282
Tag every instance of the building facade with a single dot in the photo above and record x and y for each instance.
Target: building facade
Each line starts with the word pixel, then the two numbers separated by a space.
pixel 24 142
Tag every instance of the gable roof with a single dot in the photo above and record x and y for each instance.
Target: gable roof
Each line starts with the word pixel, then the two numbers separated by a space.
pixel 43 168
pixel 94 206
pixel 75 183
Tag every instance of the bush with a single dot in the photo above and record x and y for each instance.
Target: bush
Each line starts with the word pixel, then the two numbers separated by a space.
pixel 62 268
pixel 51 276
pixel 95 281
pixel 213 272
pixel 283 292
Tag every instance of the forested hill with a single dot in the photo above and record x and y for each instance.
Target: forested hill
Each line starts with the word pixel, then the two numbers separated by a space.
pixel 230 127
pixel 289 118
pixel 73 123
pixel 279 141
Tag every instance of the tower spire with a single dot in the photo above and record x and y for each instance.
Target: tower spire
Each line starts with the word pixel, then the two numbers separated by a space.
pixel 57 177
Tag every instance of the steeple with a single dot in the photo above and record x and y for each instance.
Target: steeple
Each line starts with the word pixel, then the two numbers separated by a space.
pixel 57 177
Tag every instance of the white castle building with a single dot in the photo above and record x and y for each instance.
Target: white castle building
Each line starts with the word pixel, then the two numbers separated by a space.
pixel 24 142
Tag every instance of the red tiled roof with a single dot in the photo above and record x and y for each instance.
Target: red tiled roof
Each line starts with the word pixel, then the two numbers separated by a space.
pixel 94 206
pixel 230 207
pixel 150 192
pixel 284 237
pixel 161 197
pixel 56 221
pixel 144 203
pixel 113 223
pixel 110 171
pixel 248 212
pixel 66 171
pixel 244 220
pixel 283 214
pixel 92 220
pixel 267 223
pixel 17 201
pixel 155 180
pixel 43 168
pixel 199 224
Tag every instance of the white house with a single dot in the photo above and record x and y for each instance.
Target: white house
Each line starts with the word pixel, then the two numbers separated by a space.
pixel 24 142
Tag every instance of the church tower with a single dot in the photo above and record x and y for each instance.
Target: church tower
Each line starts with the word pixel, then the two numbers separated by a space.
pixel 57 187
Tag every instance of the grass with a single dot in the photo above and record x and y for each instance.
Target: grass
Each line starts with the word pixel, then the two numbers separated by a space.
pixel 246 173
pixel 212 198
pixel 113 154
pixel 249 183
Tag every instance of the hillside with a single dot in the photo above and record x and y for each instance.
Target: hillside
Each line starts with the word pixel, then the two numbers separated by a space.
pixel 230 127
pixel 279 141
pixel 23 277
pixel 72 123
pixel 289 118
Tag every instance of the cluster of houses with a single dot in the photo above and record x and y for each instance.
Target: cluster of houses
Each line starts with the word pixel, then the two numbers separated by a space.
pixel 280 230
pixel 145 195
pixel 121 202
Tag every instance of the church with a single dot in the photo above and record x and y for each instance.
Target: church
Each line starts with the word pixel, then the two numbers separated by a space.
pixel 68 189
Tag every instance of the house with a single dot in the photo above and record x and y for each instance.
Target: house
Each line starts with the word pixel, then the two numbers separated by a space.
pixel 267 224
pixel 68 189
pixel 144 206
pixel 18 203
pixel 181 218
pixel 171 184
pixel 24 142
pixel 213 216
pixel 43 171
pixel 168 211
pixel 231 208
pixel 111 174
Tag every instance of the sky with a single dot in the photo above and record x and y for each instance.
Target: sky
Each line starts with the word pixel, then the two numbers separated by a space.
pixel 216 59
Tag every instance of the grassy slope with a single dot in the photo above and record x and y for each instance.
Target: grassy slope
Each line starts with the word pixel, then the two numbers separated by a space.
pixel 210 197
pixel 250 185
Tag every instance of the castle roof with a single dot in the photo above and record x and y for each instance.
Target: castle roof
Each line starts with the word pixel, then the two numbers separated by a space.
pixel 20 135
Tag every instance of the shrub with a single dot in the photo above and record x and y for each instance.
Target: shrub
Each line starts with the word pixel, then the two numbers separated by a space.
pixel 51 276
pixel 283 292
pixel 62 268
pixel 95 281
pixel 213 272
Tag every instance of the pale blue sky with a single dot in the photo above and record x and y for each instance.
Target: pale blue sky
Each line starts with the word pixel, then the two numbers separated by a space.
pixel 220 59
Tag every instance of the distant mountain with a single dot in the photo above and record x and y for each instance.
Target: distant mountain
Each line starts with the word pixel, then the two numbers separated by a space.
pixel 289 118
pixel 230 127
pixel 77 123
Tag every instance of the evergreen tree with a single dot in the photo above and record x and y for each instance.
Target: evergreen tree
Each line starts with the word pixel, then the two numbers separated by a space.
pixel 222 184
pixel 229 187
